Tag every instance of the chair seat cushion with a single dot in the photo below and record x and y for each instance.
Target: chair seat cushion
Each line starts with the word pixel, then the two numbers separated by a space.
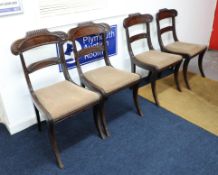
pixel 185 48
pixel 157 59
pixel 109 79
pixel 65 97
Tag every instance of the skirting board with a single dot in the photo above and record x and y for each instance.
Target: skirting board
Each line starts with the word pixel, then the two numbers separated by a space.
pixel 13 129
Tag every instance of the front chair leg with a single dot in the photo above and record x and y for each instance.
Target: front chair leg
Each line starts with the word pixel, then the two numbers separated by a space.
pixel 176 76
pixel 98 122
pixel 185 72
pixel 38 118
pixel 200 60
pixel 103 119
pixel 153 79
pixel 54 145
pixel 135 97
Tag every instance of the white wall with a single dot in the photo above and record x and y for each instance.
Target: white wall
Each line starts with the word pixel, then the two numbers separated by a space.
pixel 194 25
pixel 2 112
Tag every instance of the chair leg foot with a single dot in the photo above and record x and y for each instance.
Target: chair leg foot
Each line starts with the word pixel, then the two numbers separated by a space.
pixel 38 118
pixel 103 119
pixel 153 79
pixel 176 76
pixel 54 145
pixel 135 97
pixel 200 60
pixel 98 122
pixel 185 72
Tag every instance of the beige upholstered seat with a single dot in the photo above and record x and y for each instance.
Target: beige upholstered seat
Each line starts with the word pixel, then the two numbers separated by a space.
pixel 110 79
pixel 158 59
pixel 185 48
pixel 65 97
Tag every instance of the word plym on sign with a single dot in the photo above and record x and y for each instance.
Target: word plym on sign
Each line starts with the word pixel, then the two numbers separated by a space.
pixel 90 41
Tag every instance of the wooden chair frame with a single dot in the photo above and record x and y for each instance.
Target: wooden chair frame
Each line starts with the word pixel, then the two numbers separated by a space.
pixel 154 73
pixel 171 14
pixel 87 29
pixel 35 39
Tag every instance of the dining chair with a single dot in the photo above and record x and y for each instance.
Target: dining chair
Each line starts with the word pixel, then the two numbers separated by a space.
pixel 185 49
pixel 149 59
pixel 107 79
pixel 60 100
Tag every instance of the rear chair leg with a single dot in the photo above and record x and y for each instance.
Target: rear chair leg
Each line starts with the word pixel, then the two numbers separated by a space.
pixel 54 145
pixel 153 79
pixel 200 60
pixel 38 118
pixel 83 85
pixel 103 119
pixel 133 67
pixel 135 97
pixel 176 76
pixel 98 122
pixel 149 74
pixel 185 73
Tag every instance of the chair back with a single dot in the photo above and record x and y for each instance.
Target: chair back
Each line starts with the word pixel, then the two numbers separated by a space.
pixel 36 39
pixel 166 14
pixel 89 30
pixel 133 20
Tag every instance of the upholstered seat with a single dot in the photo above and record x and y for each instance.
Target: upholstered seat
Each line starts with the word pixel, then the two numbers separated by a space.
pixel 64 97
pixel 158 59
pixel 109 79
pixel 185 48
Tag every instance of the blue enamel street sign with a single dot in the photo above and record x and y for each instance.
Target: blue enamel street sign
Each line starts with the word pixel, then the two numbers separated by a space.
pixel 89 41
